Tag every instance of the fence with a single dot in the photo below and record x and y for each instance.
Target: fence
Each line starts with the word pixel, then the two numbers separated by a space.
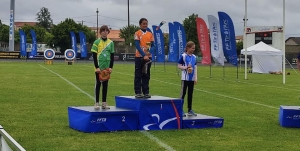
pixel 6 141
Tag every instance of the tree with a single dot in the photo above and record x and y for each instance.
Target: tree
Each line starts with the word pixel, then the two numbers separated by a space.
pixel 90 35
pixel 61 34
pixel 4 34
pixel 39 31
pixel 47 38
pixel 124 33
pixel 44 18
pixel 239 47
pixel 191 31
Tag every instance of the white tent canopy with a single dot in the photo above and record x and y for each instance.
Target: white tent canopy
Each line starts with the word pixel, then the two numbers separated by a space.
pixel 265 58
pixel 261 48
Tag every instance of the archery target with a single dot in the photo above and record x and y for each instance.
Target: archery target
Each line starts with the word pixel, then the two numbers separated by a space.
pixel 49 53
pixel 70 54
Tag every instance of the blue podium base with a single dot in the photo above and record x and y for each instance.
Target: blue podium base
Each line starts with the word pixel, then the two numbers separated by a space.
pixel 289 116
pixel 87 119
pixel 202 121
pixel 155 113
pixel 130 113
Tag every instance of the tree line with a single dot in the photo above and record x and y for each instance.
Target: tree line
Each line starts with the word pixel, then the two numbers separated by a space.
pixel 48 33
pixel 59 35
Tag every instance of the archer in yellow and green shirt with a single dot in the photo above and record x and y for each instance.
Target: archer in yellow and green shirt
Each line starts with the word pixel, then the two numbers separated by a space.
pixel 103 55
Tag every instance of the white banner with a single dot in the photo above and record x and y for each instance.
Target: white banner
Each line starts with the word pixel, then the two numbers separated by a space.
pixel 255 29
pixel 215 40
pixel 42 47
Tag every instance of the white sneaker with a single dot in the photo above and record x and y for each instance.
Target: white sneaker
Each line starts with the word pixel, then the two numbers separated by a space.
pixel 105 105
pixel 97 106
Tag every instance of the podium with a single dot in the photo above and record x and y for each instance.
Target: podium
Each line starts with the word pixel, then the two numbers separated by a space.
pixel 87 119
pixel 289 116
pixel 155 113
pixel 202 121
pixel 130 113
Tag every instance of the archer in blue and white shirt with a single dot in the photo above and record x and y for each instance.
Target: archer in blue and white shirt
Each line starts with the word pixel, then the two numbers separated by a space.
pixel 188 65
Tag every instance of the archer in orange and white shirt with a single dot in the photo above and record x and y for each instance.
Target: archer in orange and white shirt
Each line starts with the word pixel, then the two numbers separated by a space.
pixel 144 43
pixel 143 40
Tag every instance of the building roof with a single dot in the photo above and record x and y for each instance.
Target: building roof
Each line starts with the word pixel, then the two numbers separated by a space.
pixel 21 24
pixel 295 39
pixel 114 34
pixel 239 37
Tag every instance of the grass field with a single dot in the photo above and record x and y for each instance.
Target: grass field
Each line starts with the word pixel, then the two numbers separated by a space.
pixel 34 98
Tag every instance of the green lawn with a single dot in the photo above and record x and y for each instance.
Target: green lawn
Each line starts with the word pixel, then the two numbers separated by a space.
pixel 34 101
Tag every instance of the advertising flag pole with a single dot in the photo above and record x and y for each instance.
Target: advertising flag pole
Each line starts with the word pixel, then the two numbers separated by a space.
pixel 283 44
pixel 245 39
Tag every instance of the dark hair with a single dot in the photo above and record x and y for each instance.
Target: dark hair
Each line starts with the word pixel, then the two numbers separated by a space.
pixel 142 19
pixel 104 28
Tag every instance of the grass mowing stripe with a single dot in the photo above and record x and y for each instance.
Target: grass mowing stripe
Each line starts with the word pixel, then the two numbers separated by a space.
pixel 150 136
pixel 157 141
pixel 212 93
pixel 69 82
pixel 219 80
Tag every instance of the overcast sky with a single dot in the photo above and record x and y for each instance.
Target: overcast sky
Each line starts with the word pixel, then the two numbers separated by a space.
pixel 114 12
